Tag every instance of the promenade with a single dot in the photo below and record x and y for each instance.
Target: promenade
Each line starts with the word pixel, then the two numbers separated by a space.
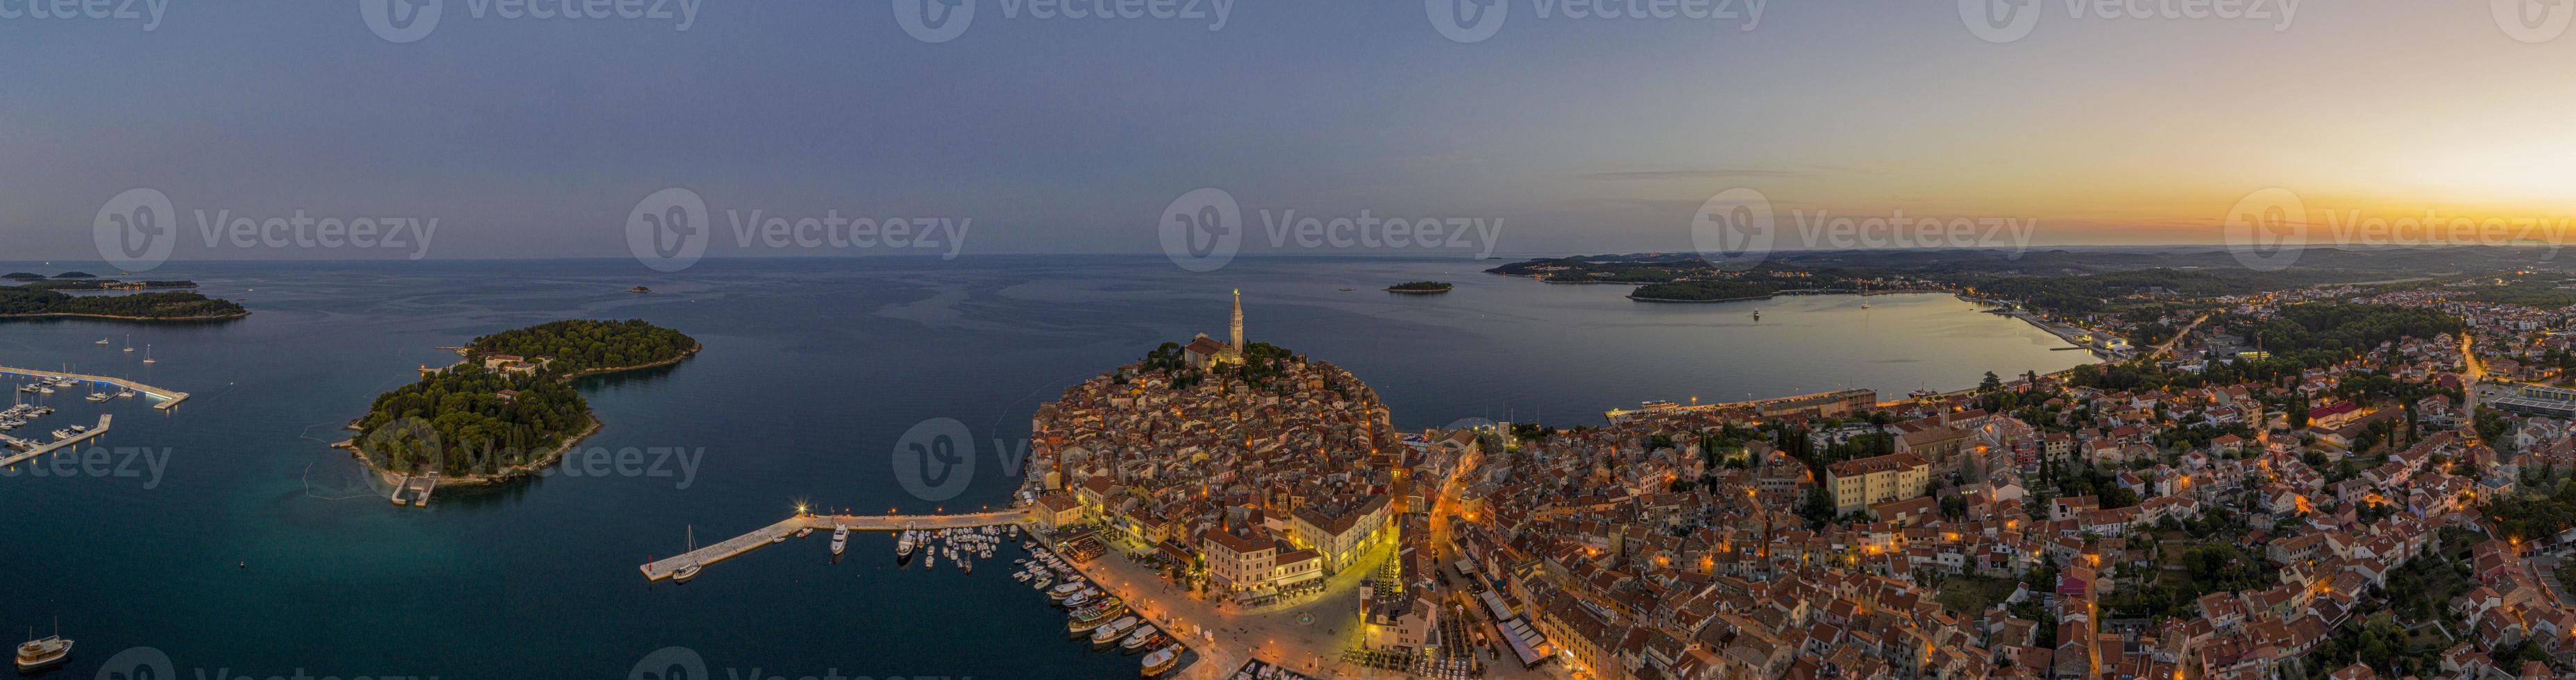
pixel 168 398
pixel 729 548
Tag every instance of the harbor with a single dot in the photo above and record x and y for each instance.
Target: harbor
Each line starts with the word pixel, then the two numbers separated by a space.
pixel 164 398
pixel 665 568
pixel 58 444
pixel 1110 621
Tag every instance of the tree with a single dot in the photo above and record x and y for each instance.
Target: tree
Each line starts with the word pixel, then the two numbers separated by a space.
pixel 1991 383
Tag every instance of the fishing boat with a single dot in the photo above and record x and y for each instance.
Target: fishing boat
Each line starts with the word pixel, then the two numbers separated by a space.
pixel 903 545
pixel 101 341
pixel 840 539
pixel 125 393
pixel 804 532
pixel 1162 661
pixel 1136 641
pixel 39 652
pixel 1110 634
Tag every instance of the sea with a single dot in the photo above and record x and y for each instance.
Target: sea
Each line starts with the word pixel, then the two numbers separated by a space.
pixel 224 538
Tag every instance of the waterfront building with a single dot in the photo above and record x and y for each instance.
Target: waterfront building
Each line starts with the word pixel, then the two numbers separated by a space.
pixel 1862 482
pixel 1341 529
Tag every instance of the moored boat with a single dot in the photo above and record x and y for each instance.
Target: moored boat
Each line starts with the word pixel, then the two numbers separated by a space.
pixel 1161 661
pixel 1136 641
pixel 1111 633
pixel 840 539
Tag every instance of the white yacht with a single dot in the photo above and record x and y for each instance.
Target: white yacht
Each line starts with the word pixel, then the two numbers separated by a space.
pixel 840 539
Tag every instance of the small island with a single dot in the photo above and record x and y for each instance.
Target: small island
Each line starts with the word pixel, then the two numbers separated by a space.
pixel 75 275
pixel 22 276
pixel 37 300
pixel 509 408
pixel 1420 287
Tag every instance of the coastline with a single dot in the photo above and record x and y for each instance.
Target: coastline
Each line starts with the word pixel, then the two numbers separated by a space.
pixel 390 478
pixel 523 469
pixel 114 317
pixel 1736 299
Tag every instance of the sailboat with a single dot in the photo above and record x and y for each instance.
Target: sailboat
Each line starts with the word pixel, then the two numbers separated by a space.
pixel 690 571
pixel 147 354
pixel 129 342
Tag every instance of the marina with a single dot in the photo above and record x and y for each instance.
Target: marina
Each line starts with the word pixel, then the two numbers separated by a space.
pixel 165 398
pixel 664 568
pixel 59 443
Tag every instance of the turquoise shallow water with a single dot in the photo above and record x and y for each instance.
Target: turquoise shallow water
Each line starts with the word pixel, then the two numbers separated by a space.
pixel 256 550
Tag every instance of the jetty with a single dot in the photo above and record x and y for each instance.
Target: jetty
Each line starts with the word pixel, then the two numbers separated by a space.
pixel 732 547
pixel 31 454
pixel 415 489
pixel 167 398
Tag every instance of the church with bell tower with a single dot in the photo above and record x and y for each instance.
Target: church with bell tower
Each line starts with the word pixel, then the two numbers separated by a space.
pixel 1206 352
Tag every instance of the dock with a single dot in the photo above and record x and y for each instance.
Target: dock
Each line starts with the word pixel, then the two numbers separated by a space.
pixel 31 454
pixel 414 490
pixel 168 398
pixel 728 549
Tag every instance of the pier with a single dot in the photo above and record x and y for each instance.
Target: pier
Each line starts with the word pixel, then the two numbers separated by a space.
pixel 415 489
pixel 31 454
pixel 663 568
pixel 168 398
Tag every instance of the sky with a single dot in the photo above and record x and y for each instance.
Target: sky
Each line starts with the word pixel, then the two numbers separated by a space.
pixel 1032 132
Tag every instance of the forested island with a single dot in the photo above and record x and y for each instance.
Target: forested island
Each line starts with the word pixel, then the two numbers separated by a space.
pixel 1701 291
pixel 1421 287
pixel 509 408
pixel 37 300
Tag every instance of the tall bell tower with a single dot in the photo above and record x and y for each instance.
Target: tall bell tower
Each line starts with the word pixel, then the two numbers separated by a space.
pixel 1236 326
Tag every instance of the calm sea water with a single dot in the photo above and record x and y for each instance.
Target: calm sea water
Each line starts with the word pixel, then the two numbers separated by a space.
pixel 256 550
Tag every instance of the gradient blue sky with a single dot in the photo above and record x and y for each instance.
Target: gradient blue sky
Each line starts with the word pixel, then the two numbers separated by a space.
pixel 532 138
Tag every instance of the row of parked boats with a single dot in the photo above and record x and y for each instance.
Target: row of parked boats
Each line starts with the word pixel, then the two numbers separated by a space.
pixel 962 546
pixel 1093 613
